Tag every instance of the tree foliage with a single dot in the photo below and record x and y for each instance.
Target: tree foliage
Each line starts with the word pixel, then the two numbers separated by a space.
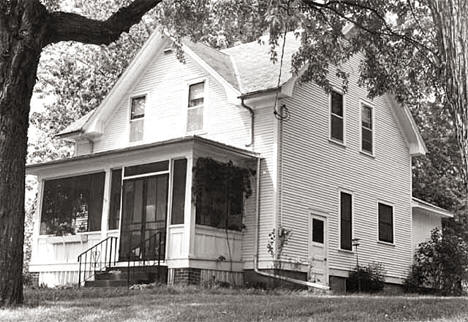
pixel 411 49
pixel 438 176
pixel 440 264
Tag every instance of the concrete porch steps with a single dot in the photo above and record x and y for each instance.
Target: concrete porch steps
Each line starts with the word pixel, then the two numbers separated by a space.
pixel 118 276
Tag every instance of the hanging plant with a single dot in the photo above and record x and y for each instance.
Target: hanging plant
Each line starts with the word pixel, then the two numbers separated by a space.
pixel 219 192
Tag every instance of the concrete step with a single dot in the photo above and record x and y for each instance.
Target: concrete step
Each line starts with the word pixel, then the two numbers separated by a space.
pixel 106 283
pixel 118 275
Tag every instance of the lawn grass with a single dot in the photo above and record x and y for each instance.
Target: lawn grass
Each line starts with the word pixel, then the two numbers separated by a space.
pixel 198 304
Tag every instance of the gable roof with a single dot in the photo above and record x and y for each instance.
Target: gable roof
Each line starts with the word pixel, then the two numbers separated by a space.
pixel 242 70
pixel 218 60
pixel 255 68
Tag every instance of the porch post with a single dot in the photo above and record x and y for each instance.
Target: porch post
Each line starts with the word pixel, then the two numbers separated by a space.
pixel 106 204
pixel 37 220
pixel 189 213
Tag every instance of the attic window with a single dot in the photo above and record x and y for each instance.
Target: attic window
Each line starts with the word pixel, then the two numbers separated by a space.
pixel 196 101
pixel 137 115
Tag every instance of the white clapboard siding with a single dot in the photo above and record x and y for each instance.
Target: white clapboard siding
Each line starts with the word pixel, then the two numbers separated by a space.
pixel 264 144
pixel 165 84
pixel 314 169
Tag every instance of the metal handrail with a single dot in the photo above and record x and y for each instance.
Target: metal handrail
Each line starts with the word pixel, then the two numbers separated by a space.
pixel 101 256
pixel 158 251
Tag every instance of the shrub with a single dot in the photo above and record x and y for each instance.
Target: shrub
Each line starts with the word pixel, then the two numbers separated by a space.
pixel 368 278
pixel 440 264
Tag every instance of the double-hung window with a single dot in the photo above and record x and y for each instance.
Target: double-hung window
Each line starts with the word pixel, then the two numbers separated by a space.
pixel 336 117
pixel 346 217
pixel 367 129
pixel 196 101
pixel 137 116
pixel 385 223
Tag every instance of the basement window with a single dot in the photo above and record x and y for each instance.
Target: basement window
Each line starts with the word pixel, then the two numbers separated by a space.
pixel 72 205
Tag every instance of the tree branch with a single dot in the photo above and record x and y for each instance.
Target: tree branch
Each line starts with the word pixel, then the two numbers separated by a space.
pixel 64 26
pixel 389 31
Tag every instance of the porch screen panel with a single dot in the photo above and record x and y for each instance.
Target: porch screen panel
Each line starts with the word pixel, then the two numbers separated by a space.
pixel 127 208
pixel 147 168
pixel 178 191
pixel 151 201
pixel 114 208
pixel 137 202
pixel 346 220
pixel 72 205
pixel 161 193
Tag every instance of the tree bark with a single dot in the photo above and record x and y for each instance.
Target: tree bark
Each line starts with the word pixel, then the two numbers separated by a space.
pixel 20 48
pixel 451 23
pixel 25 28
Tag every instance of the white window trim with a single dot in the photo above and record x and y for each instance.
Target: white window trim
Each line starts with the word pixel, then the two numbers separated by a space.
pixel 188 83
pixel 386 203
pixel 340 190
pixel 361 104
pixel 129 116
pixel 330 138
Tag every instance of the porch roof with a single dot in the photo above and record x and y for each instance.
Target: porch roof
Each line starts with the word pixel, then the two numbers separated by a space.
pixel 427 208
pixel 33 168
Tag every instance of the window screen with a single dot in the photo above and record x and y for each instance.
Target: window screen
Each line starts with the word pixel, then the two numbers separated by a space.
pixel 72 205
pixel 385 223
pixel 346 220
pixel 337 116
pixel 178 194
pixel 147 168
pixel 366 129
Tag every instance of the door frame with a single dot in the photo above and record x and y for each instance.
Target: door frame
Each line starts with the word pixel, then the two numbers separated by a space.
pixel 324 217
pixel 168 196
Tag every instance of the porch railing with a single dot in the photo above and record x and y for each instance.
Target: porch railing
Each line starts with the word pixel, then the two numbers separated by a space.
pixel 97 259
pixel 147 256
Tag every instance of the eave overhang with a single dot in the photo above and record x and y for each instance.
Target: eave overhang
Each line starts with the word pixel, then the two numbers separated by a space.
pixel 427 208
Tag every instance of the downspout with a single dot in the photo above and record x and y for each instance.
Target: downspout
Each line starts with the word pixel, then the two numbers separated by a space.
pixel 252 122
pixel 257 234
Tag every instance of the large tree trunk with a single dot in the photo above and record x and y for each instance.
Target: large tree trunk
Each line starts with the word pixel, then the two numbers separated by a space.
pixel 20 48
pixel 25 28
pixel 451 24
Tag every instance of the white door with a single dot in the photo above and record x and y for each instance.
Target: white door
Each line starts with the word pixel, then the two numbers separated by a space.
pixel 318 267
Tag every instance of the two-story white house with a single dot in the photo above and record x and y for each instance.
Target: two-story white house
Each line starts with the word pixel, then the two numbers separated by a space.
pixel 144 187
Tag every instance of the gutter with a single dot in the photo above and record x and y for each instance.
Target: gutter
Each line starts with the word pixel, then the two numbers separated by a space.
pixel 252 122
pixel 257 233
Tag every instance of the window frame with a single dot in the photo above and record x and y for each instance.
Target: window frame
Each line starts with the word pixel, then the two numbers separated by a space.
pixel 363 103
pixel 188 84
pixel 330 114
pixel 389 204
pixel 349 192
pixel 130 120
